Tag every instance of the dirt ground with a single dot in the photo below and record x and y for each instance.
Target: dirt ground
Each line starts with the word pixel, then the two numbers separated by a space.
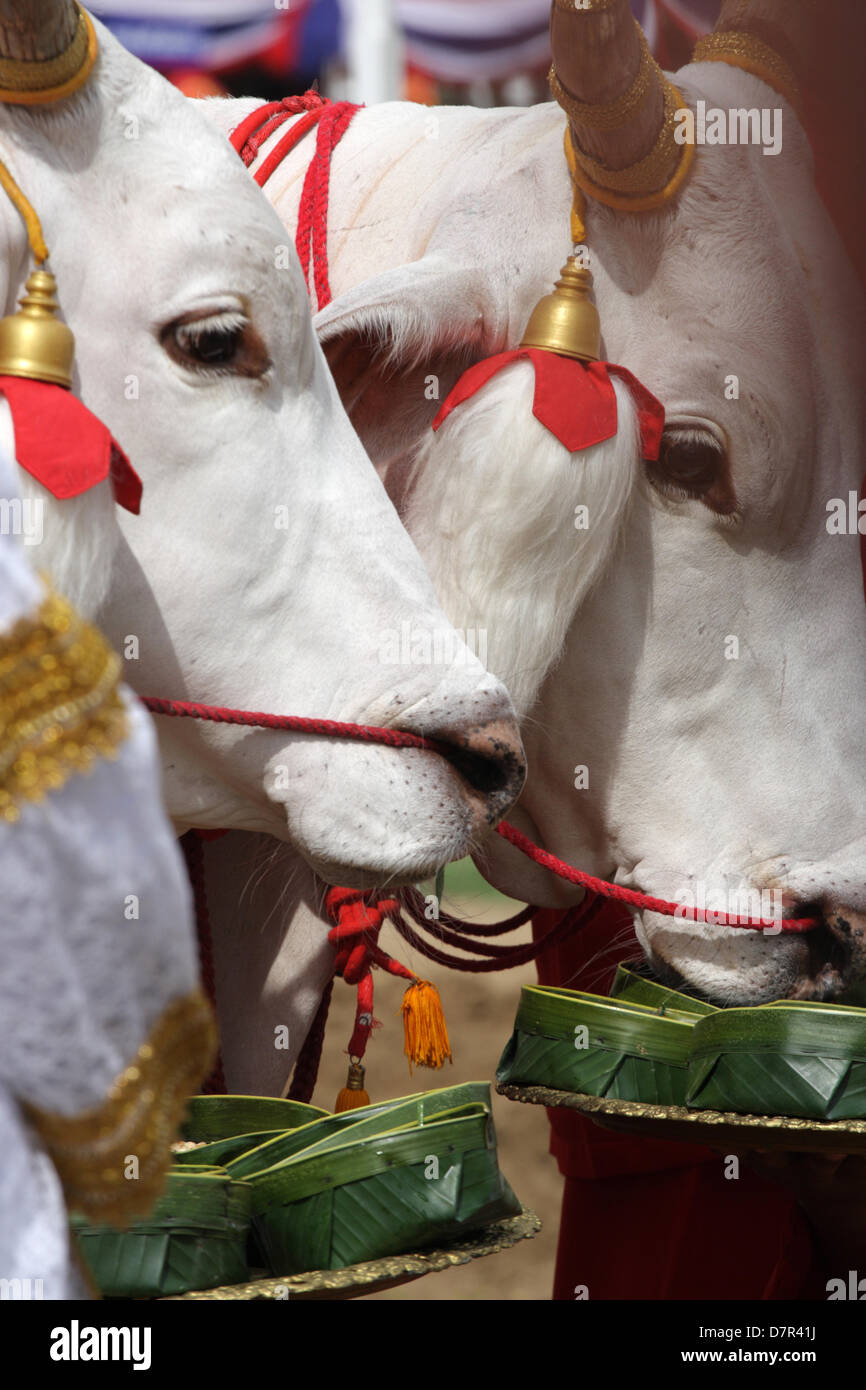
pixel 480 1012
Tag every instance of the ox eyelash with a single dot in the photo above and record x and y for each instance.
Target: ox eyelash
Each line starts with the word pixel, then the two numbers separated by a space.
pixel 228 321
pixel 252 362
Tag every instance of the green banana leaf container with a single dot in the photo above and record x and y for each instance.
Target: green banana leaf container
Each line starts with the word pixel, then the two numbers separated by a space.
pixel 366 1120
pixel 195 1238
pixel 416 1172
pixel 794 1058
pixel 228 1126
pixel 589 1043
pixel 632 986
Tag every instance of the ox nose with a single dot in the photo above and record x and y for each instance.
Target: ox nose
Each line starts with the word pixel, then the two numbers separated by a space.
pixel 489 758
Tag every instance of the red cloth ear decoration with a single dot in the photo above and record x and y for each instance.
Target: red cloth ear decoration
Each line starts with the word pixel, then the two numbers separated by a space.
pixel 64 446
pixel 574 400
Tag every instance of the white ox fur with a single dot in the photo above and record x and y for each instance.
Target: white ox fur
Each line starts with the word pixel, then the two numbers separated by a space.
pixel 446 226
pixel 153 226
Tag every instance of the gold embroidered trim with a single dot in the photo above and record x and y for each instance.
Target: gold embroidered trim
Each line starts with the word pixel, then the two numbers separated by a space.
pixel 51 77
pixel 614 114
pixel 746 51
pixel 60 708
pixel 649 173
pixel 138 1119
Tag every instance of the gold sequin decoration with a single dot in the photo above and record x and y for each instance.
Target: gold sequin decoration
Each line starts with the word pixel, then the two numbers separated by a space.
pixel 60 708
pixel 648 174
pixel 139 1119
pixel 614 114
pixel 743 50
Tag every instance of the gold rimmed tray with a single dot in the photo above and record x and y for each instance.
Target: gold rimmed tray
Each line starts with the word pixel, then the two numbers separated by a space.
pixel 716 1129
pixel 373 1276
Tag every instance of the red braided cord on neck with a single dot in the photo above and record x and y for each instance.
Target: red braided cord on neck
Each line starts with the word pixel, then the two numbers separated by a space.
pixel 396 738
pixel 248 138
pixel 333 120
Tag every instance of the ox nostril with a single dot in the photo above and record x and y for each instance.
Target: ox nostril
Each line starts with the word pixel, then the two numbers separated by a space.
pixel 490 758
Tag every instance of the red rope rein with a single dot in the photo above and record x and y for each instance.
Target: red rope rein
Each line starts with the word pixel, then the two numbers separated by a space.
pixel 397 738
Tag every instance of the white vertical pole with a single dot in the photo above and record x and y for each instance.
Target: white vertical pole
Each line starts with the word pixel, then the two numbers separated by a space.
pixel 374 51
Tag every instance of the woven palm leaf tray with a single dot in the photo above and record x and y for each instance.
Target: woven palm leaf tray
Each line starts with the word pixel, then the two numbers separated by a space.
pixel 270 1199
pixel 650 1061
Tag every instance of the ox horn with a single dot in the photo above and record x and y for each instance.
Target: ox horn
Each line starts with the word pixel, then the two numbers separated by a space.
pixel 619 104
pixel 35 31
pixel 789 27
pixel 810 45
pixel 775 42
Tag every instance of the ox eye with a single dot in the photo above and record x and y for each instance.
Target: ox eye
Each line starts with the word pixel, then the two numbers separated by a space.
pixel 693 462
pixel 217 344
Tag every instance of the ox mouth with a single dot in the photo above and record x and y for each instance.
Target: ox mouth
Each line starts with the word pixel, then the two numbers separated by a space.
pixel 822 965
pixel 836 953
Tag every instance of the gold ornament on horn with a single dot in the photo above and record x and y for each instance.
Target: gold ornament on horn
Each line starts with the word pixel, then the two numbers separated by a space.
pixel 33 342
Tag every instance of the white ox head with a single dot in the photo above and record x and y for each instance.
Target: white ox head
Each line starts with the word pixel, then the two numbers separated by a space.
pixel 701 649
pixel 268 569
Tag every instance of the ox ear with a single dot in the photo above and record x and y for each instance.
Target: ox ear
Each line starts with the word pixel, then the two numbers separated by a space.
pixel 397 343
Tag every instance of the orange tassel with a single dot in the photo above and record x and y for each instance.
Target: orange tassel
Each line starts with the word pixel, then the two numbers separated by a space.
pixel 353 1095
pixel 426 1035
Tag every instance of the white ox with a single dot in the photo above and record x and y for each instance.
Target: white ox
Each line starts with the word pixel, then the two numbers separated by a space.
pixel 702 648
pixel 268 565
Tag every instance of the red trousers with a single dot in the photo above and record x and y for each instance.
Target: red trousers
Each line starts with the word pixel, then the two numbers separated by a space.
pixel 649 1219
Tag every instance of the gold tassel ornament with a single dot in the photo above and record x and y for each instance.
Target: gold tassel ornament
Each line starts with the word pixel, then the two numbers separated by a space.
pixel 426 1036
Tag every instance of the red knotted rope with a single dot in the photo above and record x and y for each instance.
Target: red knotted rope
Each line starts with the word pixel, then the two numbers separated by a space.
pixel 397 738
pixel 333 120
pixel 358 918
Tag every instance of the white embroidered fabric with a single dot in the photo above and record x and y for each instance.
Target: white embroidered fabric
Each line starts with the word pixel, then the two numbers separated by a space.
pixel 96 940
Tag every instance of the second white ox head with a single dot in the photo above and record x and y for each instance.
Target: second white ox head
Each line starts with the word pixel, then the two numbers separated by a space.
pixel 700 650
pixel 268 569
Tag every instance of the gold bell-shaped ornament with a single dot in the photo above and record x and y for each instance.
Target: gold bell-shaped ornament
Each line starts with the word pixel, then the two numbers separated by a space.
pixel 33 342
pixel 353 1095
pixel 567 321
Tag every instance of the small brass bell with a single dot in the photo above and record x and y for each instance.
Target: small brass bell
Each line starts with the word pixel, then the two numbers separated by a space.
pixel 566 321
pixel 33 342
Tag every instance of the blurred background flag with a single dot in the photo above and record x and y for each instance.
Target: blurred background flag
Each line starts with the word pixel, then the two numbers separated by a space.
pixel 209 37
pixel 460 41
pixel 482 51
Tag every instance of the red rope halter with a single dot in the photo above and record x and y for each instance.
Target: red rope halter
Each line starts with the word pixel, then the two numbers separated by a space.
pixel 397 738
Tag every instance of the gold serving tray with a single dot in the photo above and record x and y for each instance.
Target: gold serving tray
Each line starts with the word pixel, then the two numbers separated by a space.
pixel 716 1129
pixel 373 1276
